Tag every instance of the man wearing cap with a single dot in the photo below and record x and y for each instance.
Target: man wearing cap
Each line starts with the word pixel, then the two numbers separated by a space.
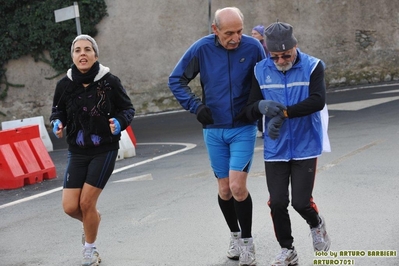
pixel 294 138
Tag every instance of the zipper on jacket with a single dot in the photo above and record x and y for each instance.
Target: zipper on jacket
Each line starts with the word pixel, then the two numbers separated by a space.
pixel 231 98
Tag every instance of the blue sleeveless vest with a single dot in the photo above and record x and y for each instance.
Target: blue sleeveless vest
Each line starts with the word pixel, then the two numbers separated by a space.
pixel 301 137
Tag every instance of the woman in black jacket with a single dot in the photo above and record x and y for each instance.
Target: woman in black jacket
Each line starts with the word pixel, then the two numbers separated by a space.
pixel 93 106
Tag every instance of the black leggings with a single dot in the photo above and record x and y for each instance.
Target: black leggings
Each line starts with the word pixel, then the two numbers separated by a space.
pixel 301 173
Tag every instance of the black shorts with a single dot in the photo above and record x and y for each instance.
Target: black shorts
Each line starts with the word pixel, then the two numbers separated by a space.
pixel 94 170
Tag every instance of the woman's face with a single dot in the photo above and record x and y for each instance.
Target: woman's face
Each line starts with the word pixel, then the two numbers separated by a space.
pixel 83 55
pixel 256 35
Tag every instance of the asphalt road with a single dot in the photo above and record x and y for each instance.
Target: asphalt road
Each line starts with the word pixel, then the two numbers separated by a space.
pixel 160 207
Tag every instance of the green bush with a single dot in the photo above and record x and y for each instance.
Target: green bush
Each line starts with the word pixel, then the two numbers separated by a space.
pixel 29 28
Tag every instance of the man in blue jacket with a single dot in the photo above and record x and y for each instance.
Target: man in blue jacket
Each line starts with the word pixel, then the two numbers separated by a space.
pixel 225 61
pixel 295 137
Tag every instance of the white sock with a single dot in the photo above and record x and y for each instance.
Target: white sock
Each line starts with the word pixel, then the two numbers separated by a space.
pixel 92 245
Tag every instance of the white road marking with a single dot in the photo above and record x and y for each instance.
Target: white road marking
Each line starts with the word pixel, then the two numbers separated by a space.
pixel 346 156
pixel 259 148
pixel 384 92
pixel 359 105
pixel 188 146
pixel 136 178
pixel 30 198
pixel 363 87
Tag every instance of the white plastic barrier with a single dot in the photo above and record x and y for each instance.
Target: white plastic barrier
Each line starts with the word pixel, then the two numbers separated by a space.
pixel 126 146
pixel 38 120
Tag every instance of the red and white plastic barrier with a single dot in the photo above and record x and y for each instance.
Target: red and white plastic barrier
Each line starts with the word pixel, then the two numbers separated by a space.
pixel 24 159
pixel 127 144
pixel 38 120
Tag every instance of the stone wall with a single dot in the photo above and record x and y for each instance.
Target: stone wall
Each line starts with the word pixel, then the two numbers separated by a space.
pixel 141 41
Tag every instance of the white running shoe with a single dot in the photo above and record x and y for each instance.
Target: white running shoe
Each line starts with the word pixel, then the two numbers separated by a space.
pixel 234 246
pixel 286 257
pixel 247 254
pixel 321 240
pixel 91 257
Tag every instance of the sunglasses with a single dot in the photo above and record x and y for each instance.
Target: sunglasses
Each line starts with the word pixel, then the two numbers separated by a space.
pixel 284 57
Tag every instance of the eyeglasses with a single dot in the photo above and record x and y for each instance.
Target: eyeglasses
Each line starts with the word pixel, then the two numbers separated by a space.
pixel 284 56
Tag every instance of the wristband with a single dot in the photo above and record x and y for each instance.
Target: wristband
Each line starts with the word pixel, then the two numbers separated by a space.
pixel 285 113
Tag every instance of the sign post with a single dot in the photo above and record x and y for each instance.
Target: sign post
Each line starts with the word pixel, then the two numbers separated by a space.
pixel 209 16
pixel 69 13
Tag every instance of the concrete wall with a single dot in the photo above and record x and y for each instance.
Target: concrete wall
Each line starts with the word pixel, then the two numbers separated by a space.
pixel 141 41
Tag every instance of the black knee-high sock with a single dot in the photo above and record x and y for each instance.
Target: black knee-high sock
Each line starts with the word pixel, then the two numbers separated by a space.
pixel 229 212
pixel 244 215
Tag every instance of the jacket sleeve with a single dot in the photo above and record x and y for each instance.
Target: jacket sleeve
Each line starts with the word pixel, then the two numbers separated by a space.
pixel 58 110
pixel 123 105
pixel 186 70
pixel 251 110
pixel 317 95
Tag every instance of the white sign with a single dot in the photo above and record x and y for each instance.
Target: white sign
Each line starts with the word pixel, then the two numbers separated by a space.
pixel 66 13
pixel 69 13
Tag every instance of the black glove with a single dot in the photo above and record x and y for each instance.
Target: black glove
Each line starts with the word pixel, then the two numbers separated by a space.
pixel 273 127
pixel 271 108
pixel 242 117
pixel 204 115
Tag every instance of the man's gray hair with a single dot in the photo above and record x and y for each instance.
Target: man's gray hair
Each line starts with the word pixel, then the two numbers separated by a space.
pixel 87 38
pixel 216 20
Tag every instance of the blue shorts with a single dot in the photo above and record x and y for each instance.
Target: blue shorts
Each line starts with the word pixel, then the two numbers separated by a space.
pixel 230 148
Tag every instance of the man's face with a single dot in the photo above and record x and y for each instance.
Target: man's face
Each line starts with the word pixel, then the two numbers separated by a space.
pixel 284 60
pixel 229 33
